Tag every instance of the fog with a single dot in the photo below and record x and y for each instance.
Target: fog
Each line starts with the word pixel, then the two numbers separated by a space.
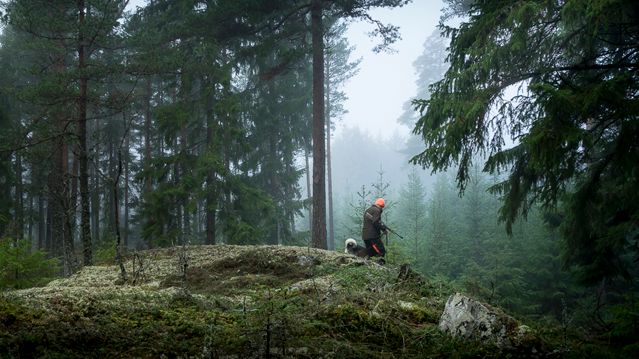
pixel 387 80
pixel 369 141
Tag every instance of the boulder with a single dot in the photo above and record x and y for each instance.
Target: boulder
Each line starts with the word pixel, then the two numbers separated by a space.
pixel 467 318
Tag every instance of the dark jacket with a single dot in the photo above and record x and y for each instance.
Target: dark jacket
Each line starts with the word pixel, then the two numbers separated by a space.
pixel 373 225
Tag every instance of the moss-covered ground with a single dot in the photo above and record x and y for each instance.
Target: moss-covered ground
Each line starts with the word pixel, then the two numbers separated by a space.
pixel 232 302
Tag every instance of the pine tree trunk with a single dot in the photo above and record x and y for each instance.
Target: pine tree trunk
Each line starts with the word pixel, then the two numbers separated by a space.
pixel 329 178
pixel 73 195
pixel 42 221
pixel 19 194
pixel 308 189
pixel 147 133
pixel 116 215
pixel 211 189
pixel 30 233
pixel 126 190
pixel 197 222
pixel 211 204
pixel 178 202
pixel 62 210
pixel 61 239
pixel 272 186
pixel 49 245
pixel 109 198
pixel 147 186
pixel 291 220
pixel 68 226
pixel 186 218
pixel 95 207
pixel 85 226
pixel 95 194
pixel 319 175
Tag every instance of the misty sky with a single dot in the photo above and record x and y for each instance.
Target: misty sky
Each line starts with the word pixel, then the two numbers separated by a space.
pixel 385 81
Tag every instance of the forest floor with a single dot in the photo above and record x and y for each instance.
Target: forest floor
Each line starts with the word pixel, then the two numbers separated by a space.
pixel 233 302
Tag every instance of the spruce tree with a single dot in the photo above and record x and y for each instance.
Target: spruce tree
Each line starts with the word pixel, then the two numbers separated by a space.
pixel 355 209
pixel 411 216
pixel 442 238
pixel 573 122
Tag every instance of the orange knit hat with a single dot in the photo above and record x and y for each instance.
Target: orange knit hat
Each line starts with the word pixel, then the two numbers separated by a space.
pixel 380 202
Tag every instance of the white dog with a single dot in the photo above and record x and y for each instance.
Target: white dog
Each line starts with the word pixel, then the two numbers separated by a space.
pixel 351 247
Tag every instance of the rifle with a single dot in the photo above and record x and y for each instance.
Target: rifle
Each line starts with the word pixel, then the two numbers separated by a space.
pixel 395 233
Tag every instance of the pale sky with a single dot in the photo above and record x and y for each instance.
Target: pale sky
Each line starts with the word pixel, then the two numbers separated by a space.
pixel 385 80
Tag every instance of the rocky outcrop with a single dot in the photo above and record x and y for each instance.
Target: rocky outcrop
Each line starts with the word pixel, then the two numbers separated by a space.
pixel 467 318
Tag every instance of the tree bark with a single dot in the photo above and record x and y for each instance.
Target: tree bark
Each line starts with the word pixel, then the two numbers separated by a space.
pixel 179 203
pixel 29 225
pixel 116 215
pixel 61 239
pixel 95 208
pixel 19 196
pixel 108 195
pixel 147 186
pixel 329 178
pixel 308 189
pixel 49 245
pixel 95 195
pixel 186 218
pixel 126 189
pixel 319 176
pixel 42 221
pixel 211 190
pixel 73 195
pixel 147 133
pixel 62 212
pixel 85 225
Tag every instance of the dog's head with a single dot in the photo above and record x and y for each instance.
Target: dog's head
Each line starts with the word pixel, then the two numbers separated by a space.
pixel 350 243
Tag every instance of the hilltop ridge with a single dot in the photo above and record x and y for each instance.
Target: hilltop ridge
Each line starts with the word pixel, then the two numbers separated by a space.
pixel 232 301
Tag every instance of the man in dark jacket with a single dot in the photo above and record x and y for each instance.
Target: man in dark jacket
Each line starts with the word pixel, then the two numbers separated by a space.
pixel 373 228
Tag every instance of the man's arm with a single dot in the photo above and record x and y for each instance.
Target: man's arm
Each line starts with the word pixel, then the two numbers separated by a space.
pixel 376 218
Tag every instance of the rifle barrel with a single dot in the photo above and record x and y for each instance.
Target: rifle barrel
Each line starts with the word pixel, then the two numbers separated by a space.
pixel 395 233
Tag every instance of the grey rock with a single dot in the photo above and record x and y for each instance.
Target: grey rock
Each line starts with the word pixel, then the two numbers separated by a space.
pixel 467 318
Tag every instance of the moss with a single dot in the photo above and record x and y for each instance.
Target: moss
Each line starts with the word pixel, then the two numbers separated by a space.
pixel 418 314
pixel 251 270
pixel 68 333
pixel 233 297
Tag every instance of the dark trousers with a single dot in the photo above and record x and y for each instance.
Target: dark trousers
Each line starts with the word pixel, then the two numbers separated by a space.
pixel 375 247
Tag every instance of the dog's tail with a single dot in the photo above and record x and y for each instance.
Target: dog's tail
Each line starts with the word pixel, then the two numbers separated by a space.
pixel 349 242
